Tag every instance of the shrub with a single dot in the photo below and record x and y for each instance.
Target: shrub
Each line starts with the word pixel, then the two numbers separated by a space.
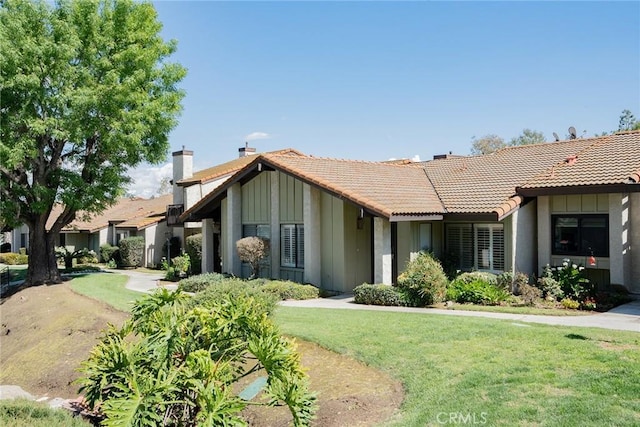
pixel 530 294
pixel 193 247
pixel 22 412
pixel 82 255
pixel 131 251
pixel 284 290
pixel 107 253
pixel 512 283
pixel 182 264
pixel 424 280
pixel 179 365
pixel 14 259
pixel 378 295
pixel 233 288
pixel 476 292
pixel 252 250
pixel 200 282
pixel 474 276
pixel 570 303
pixel 551 289
pixel 571 279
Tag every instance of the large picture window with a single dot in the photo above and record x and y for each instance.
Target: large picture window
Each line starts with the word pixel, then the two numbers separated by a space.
pixel 581 235
pixel 292 245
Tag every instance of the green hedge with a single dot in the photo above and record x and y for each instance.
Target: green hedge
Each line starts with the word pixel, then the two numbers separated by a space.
pixel 234 288
pixel 108 252
pixel 476 292
pixel 193 246
pixel 378 295
pixel 200 282
pixel 131 251
pixel 424 280
pixel 289 290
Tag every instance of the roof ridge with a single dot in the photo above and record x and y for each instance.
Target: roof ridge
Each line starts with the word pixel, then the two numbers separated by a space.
pixel 372 162
pixel 546 143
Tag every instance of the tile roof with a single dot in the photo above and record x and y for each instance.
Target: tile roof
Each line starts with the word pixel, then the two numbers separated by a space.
pixel 613 159
pixel 127 212
pixel 487 183
pixel 385 188
pixel 228 168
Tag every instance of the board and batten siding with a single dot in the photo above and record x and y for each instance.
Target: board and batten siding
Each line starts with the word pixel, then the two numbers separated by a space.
pixel 291 200
pixel 256 200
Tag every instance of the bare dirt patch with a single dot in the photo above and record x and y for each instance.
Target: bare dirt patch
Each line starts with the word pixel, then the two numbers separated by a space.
pixel 47 331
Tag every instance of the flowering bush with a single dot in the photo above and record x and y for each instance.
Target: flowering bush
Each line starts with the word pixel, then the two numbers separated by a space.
pixel 571 279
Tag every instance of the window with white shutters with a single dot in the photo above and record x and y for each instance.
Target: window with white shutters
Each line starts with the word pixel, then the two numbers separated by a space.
pixel 292 245
pixel 476 246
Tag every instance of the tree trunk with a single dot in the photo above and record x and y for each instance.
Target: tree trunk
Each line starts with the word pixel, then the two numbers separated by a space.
pixel 43 266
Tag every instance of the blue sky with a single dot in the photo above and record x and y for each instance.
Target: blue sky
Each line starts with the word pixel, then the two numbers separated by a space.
pixel 379 80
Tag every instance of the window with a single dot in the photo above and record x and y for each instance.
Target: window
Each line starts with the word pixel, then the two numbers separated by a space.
pixel 292 245
pixel 580 235
pixel 259 230
pixel 476 246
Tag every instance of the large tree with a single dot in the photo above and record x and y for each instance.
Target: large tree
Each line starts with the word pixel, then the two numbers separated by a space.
pixel 527 137
pixel 87 91
pixel 487 144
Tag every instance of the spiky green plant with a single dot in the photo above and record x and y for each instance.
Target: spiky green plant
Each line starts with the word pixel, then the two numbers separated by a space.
pixel 173 364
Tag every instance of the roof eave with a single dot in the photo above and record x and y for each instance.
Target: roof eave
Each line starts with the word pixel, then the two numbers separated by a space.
pixel 629 187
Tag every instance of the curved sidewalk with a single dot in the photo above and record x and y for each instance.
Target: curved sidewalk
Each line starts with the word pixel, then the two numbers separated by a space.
pixel 623 318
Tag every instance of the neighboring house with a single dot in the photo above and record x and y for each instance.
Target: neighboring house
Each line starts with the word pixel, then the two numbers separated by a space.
pixel 339 223
pixel 127 218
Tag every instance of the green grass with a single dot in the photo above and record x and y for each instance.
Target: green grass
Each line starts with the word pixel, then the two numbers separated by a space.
pixel 520 310
pixel 24 413
pixel 502 372
pixel 17 272
pixel 107 287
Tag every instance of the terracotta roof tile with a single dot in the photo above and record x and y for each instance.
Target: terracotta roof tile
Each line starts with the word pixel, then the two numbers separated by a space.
pixel 386 188
pixel 228 168
pixel 485 184
pixel 613 159
pixel 133 213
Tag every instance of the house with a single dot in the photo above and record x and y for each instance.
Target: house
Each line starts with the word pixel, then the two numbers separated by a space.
pixel 128 217
pixel 339 223
pixel 189 187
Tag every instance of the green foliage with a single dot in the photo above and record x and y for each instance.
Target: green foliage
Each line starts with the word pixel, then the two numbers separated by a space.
pixel 550 287
pixel 474 276
pixel 628 121
pixel 175 247
pixel 511 283
pixel 200 282
pixel 424 280
pixel 284 290
pixel 193 247
pixel 378 295
pixel 11 258
pixel 486 144
pixel 102 97
pixel 571 278
pixel 476 292
pixel 26 413
pixel 107 252
pixel 182 264
pixel 108 287
pixel 175 364
pixel 131 251
pixel 237 288
pixel 527 137
pixel 67 256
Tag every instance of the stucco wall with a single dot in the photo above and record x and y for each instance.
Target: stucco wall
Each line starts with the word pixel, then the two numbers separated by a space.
pixel 523 240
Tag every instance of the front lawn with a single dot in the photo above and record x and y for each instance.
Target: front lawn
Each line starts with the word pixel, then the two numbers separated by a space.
pixel 485 371
pixel 107 287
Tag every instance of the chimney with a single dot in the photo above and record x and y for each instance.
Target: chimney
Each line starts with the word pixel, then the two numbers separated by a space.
pixel 182 169
pixel 246 150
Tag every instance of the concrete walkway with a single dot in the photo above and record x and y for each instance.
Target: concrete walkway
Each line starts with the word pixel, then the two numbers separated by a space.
pixel 623 318
pixel 140 282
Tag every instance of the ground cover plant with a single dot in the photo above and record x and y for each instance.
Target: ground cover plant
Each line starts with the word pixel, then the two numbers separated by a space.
pixel 25 413
pixel 502 372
